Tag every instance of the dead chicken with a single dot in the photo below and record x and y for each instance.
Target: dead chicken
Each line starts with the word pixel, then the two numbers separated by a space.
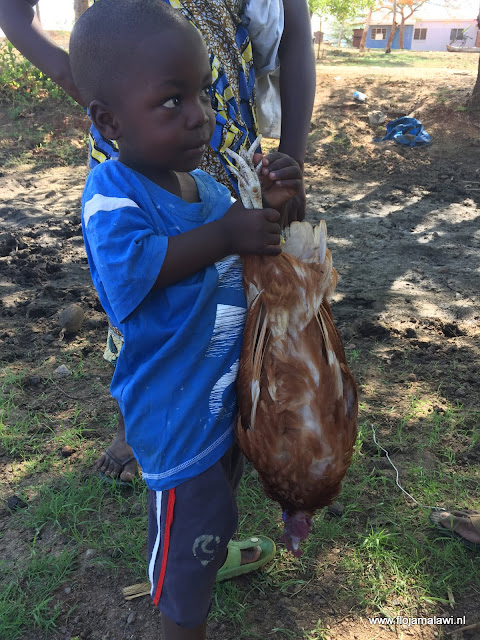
pixel 297 397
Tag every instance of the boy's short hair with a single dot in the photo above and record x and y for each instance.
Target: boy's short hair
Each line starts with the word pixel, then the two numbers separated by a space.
pixel 104 38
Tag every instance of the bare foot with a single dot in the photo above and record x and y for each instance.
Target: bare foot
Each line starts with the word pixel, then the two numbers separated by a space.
pixel 251 554
pixel 118 460
pixel 461 523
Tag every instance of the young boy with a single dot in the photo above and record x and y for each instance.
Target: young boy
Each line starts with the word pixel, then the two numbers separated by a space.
pixel 163 240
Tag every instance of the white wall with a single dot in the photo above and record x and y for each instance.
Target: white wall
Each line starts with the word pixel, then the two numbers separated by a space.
pixel 438 34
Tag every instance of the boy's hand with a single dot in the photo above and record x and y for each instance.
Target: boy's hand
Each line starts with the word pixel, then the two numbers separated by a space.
pixel 280 178
pixel 252 230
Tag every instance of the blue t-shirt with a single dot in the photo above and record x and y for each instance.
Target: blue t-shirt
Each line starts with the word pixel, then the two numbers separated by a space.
pixel 175 375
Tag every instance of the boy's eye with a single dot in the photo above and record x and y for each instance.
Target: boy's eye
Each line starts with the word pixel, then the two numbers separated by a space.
pixel 171 103
pixel 206 92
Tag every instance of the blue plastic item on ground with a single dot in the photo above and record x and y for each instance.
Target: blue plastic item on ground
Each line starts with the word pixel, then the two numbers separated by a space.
pixel 408 131
pixel 359 96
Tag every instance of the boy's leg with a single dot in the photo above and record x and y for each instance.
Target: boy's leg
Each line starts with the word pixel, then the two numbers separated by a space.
pixel 189 530
pixel 172 631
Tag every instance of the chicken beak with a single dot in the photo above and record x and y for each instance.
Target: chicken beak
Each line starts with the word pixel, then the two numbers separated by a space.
pixel 295 542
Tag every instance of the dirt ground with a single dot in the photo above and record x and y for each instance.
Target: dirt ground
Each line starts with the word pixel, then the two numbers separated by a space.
pixel 404 232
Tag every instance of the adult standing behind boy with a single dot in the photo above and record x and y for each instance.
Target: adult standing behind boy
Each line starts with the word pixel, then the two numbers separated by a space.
pixel 231 56
pixel 163 242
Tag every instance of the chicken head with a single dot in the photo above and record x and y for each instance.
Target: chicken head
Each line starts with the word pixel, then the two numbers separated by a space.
pixel 297 525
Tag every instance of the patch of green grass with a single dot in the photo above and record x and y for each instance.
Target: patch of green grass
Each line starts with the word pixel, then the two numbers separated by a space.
pixel 383 550
pixel 318 633
pixel 354 356
pixel 72 433
pixel 27 599
pixel 45 124
pixel 398 564
pixel 27 435
pixel 83 515
pixel 398 58
pixel 228 602
pixel 257 513
pixel 445 96
pixel 341 142
pixel 394 572
pixel 316 137
pixel 26 142
pixel 86 514
pixel 20 435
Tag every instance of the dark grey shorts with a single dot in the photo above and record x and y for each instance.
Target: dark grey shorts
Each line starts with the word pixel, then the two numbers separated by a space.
pixel 189 528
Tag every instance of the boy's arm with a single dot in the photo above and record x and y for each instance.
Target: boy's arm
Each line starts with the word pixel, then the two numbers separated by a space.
pixel 131 250
pixel 240 231
pixel 21 26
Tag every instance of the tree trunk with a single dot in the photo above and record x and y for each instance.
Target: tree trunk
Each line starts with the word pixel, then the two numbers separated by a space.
pixel 475 98
pixel 340 36
pixel 363 39
pixel 79 6
pixel 388 48
pixel 320 39
pixel 400 34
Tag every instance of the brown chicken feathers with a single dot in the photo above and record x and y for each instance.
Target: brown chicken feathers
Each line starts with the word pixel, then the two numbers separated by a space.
pixel 297 397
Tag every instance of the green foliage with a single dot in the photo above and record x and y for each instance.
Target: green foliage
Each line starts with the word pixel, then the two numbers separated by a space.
pixel 345 29
pixel 341 10
pixel 20 81
pixel 46 125
pixel 398 58
pixel 316 7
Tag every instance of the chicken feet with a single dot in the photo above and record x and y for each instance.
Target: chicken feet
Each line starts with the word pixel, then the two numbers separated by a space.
pixel 247 176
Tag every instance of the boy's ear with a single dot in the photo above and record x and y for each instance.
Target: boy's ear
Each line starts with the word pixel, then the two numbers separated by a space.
pixel 104 120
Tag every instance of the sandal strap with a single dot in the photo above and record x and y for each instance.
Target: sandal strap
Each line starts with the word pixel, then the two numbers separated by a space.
pixel 234 552
pixel 234 556
pixel 475 520
pixel 121 463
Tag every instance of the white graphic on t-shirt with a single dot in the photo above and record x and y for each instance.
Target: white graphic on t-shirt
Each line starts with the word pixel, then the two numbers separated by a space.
pixel 229 323
pixel 105 203
pixel 215 403
pixel 229 273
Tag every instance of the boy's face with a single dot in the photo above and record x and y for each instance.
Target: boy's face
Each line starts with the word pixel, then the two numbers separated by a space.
pixel 164 113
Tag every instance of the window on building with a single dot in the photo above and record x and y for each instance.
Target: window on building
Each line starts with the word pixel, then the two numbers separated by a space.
pixel 456 34
pixel 379 33
pixel 420 34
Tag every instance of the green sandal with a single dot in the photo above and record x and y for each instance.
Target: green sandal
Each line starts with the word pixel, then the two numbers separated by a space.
pixel 232 566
